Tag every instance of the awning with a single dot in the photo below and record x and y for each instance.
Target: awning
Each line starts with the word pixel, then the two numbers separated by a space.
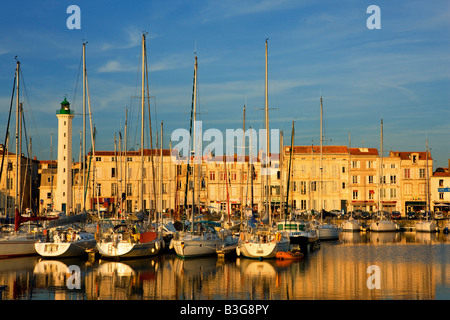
pixel 415 203
pixel 442 205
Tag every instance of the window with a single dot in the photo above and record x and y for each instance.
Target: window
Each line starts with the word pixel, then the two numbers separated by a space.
pixel 99 189
pixel 313 186
pixel 233 176
pixel 354 179
pixel 113 189
pixel 98 158
pixel 129 189
pixel 392 166
pixel 303 205
pixel 441 182
pixel 393 179
pixel 113 172
pixel 223 176
pixel 370 179
pixel 355 194
pixel 343 185
pixel 414 158
pixel 49 195
pixel 369 164
pixel 393 193
pixel 422 173
pixel 371 194
pixel 9 184
pixel 212 176
pixel 303 187
pixel 343 169
pixel 441 196
pixel 408 188
pixel 407 173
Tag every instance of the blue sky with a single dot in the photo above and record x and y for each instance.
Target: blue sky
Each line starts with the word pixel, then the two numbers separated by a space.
pixel 400 73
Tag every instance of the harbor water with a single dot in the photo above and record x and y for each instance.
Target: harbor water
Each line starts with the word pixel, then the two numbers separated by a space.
pixel 358 266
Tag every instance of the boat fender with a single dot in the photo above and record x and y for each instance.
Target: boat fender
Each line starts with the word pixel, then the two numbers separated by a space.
pixel 445 230
pixel 238 251
pixel 157 245
pixel 171 244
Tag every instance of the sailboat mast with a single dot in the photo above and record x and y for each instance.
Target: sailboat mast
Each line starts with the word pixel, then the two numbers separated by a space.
pixel 17 138
pixel 266 108
pixel 124 207
pixel 289 174
pixel 161 173
pixel 242 166
pixel 194 142
pixel 84 125
pixel 141 186
pixel 428 184
pixel 321 159
pixel 381 169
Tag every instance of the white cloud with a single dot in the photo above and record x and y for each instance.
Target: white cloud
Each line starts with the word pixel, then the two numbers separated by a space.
pixel 115 66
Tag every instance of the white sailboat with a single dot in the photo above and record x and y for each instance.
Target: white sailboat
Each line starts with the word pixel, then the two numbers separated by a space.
pixel 326 231
pixel 18 239
pixel 132 239
pixel 351 225
pixel 262 241
pixel 382 224
pixel 301 235
pixel 201 239
pixel 427 225
pixel 65 242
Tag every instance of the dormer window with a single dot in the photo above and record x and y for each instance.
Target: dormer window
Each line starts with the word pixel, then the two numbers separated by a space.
pixel 414 158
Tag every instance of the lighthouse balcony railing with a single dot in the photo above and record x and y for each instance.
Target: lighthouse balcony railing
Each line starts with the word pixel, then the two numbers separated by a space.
pixel 64 111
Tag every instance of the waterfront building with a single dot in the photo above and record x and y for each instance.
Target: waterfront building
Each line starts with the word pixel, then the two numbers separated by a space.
pixel 342 179
pixel 317 184
pixel 47 187
pixel 9 185
pixel 414 188
pixel 440 189
pixel 365 193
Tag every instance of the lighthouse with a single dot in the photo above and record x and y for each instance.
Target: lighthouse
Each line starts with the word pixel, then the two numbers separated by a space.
pixel 63 196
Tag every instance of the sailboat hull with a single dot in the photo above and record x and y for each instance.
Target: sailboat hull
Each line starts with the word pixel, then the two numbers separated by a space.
pixel 64 250
pixel 328 232
pixel 351 226
pixel 259 250
pixel 383 226
pixel 126 249
pixel 11 248
pixel 426 226
pixel 196 246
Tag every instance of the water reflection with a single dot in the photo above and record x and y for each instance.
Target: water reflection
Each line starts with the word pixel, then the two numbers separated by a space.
pixel 413 266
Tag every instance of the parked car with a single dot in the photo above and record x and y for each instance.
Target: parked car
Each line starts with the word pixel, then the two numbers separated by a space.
pixel 396 215
pixel 426 215
pixel 411 215
pixel 337 213
pixel 365 215
pixel 439 215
